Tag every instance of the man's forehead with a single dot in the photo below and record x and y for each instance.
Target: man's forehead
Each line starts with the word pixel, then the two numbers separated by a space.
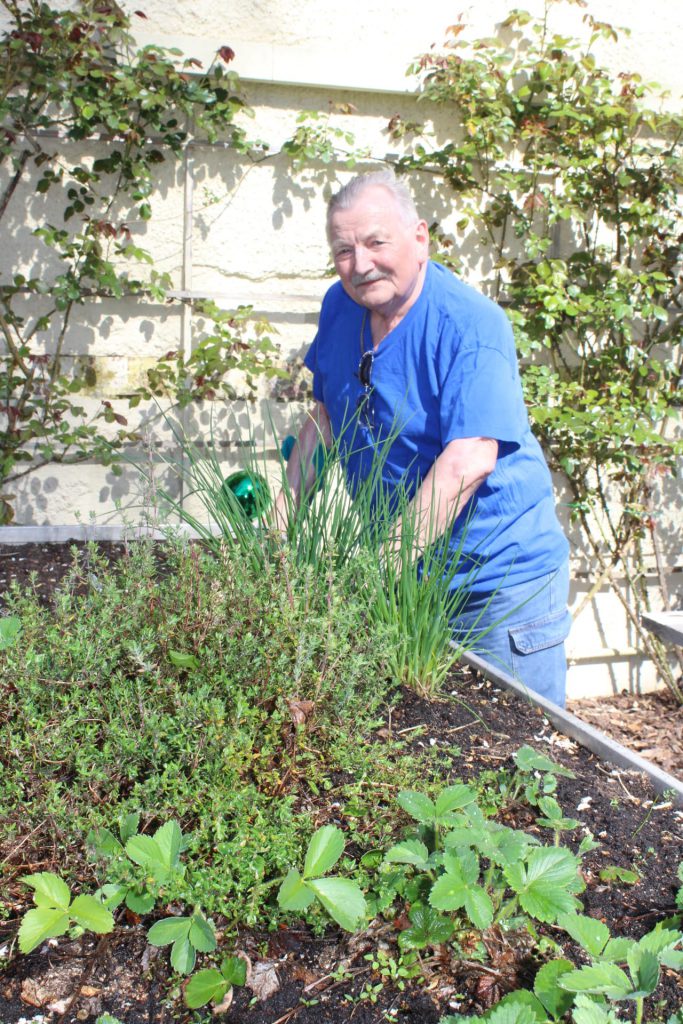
pixel 363 227
pixel 375 211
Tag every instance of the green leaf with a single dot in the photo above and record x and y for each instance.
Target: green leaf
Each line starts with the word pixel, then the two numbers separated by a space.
pixel 186 661
pixel 417 805
pixel 139 903
pixel 644 967
pixel 454 798
pixel 449 892
pixel 549 806
pixel 183 956
pixel 617 949
pixel 556 1000
pixel 49 890
pixel 659 939
pixel 672 958
pixel 165 932
pixel 479 907
pixel 202 935
pixel 598 979
pixel 40 924
pixel 519 1007
pixel 145 851
pixel 613 873
pixel 294 894
pixel 506 846
pixel 529 760
pixel 10 627
pixel 342 899
pixel 169 839
pixel 129 826
pixel 104 842
pixel 324 850
pixel 111 895
pixel 206 986
pixel 586 1011
pixel 89 913
pixel 545 884
pixel 234 970
pixel 463 863
pixel 592 935
pixel 427 928
pixel 411 851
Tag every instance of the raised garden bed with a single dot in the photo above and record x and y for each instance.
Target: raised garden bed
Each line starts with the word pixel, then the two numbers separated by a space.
pixel 631 878
pixel 650 724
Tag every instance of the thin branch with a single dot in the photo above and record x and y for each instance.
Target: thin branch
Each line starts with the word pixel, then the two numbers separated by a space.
pixel 14 351
pixel 652 648
pixel 14 182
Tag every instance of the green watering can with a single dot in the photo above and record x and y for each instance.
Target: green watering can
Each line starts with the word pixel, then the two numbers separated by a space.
pixel 251 490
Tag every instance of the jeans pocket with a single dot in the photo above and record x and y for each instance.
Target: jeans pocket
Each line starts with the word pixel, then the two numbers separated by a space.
pixel 541 634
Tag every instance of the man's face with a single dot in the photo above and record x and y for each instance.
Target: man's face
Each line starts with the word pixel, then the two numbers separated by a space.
pixel 379 257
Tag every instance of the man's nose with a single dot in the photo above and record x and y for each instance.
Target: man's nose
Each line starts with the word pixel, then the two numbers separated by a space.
pixel 362 260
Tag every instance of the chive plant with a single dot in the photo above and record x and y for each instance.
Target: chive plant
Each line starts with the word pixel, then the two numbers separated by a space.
pixel 412 585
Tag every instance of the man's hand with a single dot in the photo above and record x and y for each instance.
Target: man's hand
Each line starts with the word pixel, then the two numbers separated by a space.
pixel 301 468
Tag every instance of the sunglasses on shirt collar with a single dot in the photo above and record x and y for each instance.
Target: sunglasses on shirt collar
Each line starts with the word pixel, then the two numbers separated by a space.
pixel 364 404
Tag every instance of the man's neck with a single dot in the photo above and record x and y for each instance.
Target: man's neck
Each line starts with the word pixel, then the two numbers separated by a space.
pixel 383 321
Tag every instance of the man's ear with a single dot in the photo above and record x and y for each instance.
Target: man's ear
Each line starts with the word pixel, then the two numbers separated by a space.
pixel 422 239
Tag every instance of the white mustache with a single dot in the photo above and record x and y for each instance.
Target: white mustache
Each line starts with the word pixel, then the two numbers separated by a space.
pixel 374 275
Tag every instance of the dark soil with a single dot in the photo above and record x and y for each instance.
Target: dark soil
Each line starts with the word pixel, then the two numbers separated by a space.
pixel 66 981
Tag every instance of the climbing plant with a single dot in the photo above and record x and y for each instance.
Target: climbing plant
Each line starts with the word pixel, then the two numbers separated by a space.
pixel 86 120
pixel 570 181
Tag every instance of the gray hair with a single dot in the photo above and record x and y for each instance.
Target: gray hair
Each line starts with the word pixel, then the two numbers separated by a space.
pixel 349 194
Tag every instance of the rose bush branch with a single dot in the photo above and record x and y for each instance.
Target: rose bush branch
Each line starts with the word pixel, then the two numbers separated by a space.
pixel 73 80
pixel 571 182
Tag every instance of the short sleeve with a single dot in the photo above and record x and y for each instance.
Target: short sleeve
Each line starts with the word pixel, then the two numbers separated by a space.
pixel 311 363
pixel 481 393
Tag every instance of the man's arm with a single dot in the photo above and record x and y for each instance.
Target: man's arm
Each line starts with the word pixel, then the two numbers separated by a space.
pixel 459 470
pixel 301 468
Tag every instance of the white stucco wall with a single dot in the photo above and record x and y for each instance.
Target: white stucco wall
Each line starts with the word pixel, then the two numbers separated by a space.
pixel 250 234
pixel 368 45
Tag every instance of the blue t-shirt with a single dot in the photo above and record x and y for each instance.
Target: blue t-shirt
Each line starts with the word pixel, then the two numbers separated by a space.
pixel 447 371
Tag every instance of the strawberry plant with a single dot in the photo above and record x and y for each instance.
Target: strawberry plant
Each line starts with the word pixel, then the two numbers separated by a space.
pixel 139 866
pixel 56 912
pixel 604 980
pixel 461 863
pixel 187 936
pixel 215 986
pixel 340 897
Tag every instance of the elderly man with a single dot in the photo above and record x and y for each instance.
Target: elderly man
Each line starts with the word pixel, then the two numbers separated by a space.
pixel 418 352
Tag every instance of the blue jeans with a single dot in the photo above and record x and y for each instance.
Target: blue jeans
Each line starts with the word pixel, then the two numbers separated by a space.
pixel 521 630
